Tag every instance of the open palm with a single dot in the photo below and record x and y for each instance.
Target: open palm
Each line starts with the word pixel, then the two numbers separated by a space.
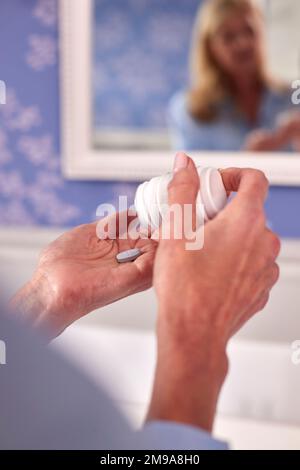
pixel 79 273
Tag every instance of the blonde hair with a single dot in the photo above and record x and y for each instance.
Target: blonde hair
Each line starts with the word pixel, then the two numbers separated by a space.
pixel 209 83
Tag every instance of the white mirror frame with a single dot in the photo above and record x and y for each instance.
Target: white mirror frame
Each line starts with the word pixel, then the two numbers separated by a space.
pixel 81 161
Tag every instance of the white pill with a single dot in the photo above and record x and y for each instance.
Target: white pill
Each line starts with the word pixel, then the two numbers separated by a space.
pixel 129 255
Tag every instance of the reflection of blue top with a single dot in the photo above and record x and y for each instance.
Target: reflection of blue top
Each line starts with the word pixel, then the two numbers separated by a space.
pixel 229 130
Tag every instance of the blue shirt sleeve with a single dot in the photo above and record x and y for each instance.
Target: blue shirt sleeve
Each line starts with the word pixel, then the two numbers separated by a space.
pixel 46 403
pixel 164 435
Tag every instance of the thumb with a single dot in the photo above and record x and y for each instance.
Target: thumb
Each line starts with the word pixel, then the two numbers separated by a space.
pixel 182 195
pixel 184 186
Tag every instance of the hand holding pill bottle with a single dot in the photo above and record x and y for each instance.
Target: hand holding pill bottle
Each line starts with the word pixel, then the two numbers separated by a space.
pixel 151 200
pixel 204 297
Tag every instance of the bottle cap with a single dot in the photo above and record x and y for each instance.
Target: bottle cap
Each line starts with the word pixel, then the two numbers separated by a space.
pixel 212 190
pixel 151 200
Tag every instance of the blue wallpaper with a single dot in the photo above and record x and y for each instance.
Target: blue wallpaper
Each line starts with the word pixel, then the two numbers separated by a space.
pixel 32 189
pixel 141 59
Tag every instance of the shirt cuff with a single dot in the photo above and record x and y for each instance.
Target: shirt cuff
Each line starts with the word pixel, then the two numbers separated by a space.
pixel 164 435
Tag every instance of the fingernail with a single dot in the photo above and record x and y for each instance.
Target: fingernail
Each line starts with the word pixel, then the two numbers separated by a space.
pixel 181 161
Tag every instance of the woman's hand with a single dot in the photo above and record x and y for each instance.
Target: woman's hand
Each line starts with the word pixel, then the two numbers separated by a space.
pixel 289 127
pixel 205 296
pixel 79 273
pixel 263 140
pixel 286 134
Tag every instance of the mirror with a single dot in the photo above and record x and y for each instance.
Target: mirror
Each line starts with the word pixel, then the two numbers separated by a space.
pixel 237 95
pixel 219 79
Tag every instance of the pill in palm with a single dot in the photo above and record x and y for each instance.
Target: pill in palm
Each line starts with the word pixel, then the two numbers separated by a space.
pixel 128 255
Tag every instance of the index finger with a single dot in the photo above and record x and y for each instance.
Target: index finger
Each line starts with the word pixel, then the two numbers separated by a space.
pixel 250 185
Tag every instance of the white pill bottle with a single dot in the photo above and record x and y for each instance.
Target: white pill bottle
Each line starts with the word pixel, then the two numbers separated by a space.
pixel 151 199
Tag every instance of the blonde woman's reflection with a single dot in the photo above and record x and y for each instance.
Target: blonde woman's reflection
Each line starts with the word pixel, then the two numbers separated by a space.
pixel 233 102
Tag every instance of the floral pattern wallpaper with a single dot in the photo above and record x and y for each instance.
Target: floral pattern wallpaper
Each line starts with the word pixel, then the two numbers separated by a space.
pixel 141 50
pixel 32 188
